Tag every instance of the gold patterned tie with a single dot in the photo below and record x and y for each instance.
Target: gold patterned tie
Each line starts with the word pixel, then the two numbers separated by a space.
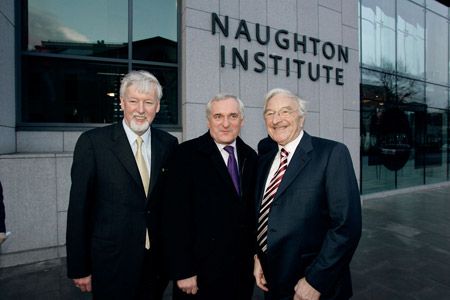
pixel 142 166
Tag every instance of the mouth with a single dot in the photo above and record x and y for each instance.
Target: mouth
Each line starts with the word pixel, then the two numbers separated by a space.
pixel 140 118
pixel 277 128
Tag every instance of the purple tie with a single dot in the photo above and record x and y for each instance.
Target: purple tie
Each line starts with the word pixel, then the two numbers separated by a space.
pixel 232 167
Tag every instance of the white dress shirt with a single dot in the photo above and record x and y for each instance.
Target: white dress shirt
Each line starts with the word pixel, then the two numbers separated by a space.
pixel 146 144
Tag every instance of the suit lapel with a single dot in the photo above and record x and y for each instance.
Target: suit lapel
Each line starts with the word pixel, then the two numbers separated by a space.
pixel 156 159
pixel 265 163
pixel 243 153
pixel 298 162
pixel 122 149
pixel 209 147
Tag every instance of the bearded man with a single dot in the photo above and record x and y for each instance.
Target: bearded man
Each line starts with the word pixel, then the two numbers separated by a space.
pixel 113 217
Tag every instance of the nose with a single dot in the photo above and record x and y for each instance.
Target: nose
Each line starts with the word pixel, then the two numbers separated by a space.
pixel 276 118
pixel 140 107
pixel 226 123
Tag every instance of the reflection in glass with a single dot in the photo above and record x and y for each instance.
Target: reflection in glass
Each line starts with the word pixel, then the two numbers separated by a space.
pixel 375 92
pixel 378 33
pixel 88 28
pixel 435 146
pixel 404 116
pixel 410 91
pixel 67 91
pixel 389 133
pixel 437 96
pixel 437 7
pixel 421 2
pixel 437 49
pixel 155 30
pixel 411 101
pixel 410 39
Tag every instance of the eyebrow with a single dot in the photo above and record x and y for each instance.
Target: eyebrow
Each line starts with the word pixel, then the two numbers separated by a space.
pixel 284 107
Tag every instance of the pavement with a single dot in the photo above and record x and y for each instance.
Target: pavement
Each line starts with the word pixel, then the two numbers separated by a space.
pixel 404 254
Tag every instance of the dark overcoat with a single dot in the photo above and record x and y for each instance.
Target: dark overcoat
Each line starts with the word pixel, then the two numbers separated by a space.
pixel 209 229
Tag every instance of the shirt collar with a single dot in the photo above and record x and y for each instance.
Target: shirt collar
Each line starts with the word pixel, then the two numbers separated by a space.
pixel 221 146
pixel 131 135
pixel 291 146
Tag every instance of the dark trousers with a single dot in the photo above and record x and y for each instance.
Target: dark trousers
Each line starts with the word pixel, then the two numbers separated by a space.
pixel 143 283
pixel 231 288
pixel 153 283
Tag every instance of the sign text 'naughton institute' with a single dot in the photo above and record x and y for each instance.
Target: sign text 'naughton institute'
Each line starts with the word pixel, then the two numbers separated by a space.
pixel 285 41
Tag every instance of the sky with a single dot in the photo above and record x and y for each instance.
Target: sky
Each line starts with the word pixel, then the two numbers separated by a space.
pixel 87 21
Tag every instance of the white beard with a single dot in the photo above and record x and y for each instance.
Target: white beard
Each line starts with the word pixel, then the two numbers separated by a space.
pixel 139 129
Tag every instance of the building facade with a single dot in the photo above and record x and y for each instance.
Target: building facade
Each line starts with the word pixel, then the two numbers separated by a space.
pixel 62 62
pixel 404 94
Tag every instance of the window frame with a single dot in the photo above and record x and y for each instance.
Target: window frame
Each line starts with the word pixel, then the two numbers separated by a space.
pixel 21 8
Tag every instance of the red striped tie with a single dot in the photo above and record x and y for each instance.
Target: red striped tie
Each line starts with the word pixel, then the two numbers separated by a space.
pixel 266 203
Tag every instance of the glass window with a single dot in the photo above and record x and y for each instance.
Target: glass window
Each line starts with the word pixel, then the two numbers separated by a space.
pixel 411 105
pixel 404 99
pixel 410 91
pixel 396 130
pixel 58 90
pixel 437 96
pixel 437 7
pixel 89 28
pixel 410 39
pixel 155 30
pixel 377 89
pixel 437 49
pixel 378 34
pixel 421 2
pixel 74 54
pixel 435 146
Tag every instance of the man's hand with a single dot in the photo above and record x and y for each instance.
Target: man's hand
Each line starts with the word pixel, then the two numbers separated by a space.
pixel 188 285
pixel 259 275
pixel 84 284
pixel 2 237
pixel 304 291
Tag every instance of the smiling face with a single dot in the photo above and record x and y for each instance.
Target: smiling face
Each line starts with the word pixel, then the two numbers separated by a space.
pixel 282 118
pixel 139 109
pixel 225 121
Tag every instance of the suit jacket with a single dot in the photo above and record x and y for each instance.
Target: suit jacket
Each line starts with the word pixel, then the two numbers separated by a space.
pixel 314 222
pixel 109 212
pixel 209 228
pixel 266 145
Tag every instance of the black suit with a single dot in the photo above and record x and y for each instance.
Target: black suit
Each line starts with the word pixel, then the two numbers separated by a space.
pixel 265 145
pixel 314 222
pixel 109 212
pixel 208 226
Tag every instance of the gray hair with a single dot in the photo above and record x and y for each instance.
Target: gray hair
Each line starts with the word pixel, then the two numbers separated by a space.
pixel 221 97
pixel 277 91
pixel 143 81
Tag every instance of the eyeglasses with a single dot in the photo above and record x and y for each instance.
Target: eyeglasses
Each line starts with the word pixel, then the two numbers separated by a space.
pixel 282 113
